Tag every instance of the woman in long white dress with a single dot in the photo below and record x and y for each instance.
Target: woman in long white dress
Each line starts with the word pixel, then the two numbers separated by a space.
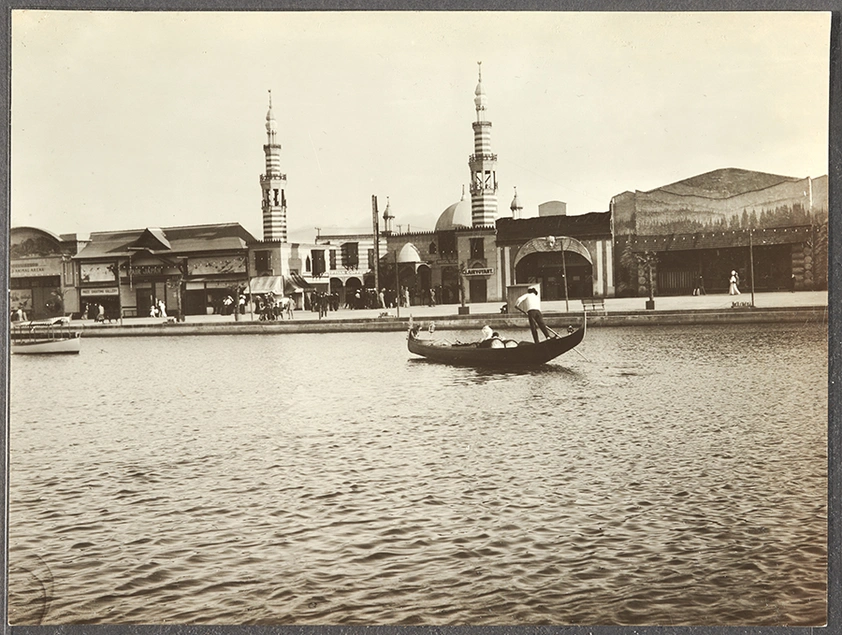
pixel 733 289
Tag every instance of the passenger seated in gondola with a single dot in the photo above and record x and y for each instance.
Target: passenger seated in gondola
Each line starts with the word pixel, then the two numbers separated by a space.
pixel 485 337
pixel 495 341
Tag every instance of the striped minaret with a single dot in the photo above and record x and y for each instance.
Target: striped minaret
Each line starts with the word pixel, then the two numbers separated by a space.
pixel 273 184
pixel 483 164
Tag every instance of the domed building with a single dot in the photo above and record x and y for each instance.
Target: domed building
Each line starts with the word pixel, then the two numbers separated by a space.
pixel 456 216
pixel 454 263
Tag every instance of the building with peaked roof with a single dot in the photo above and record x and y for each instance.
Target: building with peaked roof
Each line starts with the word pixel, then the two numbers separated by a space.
pixel 191 269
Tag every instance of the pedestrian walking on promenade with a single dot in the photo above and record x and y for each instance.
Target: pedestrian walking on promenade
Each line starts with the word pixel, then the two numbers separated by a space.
pixel 734 288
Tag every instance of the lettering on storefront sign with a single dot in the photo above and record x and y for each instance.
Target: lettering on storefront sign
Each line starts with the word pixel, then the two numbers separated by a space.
pixel 41 267
pixel 146 270
pixel 479 272
pixel 86 293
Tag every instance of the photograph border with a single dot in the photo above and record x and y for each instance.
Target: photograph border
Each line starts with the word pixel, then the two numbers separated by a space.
pixel 834 555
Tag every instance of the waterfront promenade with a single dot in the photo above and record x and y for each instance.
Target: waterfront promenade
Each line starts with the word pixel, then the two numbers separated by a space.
pixel 774 306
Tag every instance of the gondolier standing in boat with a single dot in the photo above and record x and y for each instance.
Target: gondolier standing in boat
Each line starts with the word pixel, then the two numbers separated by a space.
pixel 530 304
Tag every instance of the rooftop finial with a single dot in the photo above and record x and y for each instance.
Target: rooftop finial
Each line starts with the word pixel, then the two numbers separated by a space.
pixel 270 98
pixel 479 70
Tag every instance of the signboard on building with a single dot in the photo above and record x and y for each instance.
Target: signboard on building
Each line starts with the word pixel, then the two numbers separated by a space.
pixel 97 272
pixel 486 271
pixel 29 268
pixel 87 293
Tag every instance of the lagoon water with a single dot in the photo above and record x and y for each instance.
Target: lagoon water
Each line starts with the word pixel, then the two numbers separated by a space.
pixel 677 476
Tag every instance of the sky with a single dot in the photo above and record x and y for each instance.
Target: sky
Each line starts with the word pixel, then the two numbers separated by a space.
pixel 124 120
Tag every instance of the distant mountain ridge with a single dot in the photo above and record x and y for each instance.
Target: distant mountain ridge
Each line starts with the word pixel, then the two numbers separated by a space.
pixel 725 183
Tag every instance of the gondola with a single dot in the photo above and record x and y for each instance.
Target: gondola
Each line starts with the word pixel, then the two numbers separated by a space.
pixel 524 354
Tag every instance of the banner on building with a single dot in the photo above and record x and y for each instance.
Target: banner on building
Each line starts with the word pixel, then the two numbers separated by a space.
pixel 486 271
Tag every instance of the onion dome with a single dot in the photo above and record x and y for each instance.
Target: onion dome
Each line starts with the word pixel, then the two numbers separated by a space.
pixel 480 100
pixel 456 216
pixel 387 213
pixel 271 125
pixel 409 253
pixel 516 207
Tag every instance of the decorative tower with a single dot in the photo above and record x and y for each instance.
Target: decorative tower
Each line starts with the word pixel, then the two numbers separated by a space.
pixel 516 207
pixel 388 217
pixel 273 184
pixel 483 164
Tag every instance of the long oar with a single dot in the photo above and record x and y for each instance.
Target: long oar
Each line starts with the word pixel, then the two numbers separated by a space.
pixel 554 333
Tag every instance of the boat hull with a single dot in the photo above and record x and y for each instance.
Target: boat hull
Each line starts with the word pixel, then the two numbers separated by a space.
pixel 525 354
pixel 65 346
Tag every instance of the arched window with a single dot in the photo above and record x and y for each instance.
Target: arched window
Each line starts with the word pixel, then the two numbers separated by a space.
pixel 307 264
pixel 432 248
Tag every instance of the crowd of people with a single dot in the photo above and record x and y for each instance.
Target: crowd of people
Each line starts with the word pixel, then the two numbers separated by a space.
pixel 270 308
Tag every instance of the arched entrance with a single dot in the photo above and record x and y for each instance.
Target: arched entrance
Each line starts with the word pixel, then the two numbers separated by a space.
pixel 352 300
pixel 556 262
pixel 449 285
pixel 337 288
pixel 424 277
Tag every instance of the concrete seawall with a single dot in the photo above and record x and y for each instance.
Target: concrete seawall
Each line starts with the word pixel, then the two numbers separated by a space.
pixel 556 320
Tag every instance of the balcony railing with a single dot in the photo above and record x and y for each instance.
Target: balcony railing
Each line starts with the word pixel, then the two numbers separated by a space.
pixel 482 157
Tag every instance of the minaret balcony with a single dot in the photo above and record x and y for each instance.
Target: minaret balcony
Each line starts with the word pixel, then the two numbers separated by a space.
pixel 475 158
pixel 272 175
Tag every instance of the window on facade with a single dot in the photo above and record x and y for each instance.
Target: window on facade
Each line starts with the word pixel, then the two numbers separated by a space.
pixel 307 266
pixel 263 262
pixel 477 248
pixel 432 248
pixel 351 255
pixel 318 262
pixel 332 259
pixel 447 242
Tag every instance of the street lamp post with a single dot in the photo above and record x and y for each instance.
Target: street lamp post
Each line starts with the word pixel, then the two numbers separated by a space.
pixel 751 261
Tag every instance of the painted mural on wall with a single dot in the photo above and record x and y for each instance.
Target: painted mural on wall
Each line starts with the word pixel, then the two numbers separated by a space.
pixel 216 266
pixel 97 272
pixel 659 223
pixel 34 247
pixel 20 298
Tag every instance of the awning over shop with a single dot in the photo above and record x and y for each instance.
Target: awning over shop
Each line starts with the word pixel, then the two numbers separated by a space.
pixel 300 283
pixel 267 284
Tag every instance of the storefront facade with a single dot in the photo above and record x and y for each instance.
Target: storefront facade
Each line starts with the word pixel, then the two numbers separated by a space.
pixel 163 271
pixel 42 273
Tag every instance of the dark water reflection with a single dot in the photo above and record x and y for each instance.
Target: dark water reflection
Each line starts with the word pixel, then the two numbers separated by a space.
pixel 677 477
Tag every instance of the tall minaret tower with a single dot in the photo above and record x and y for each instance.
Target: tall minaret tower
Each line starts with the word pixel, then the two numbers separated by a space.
pixel 273 184
pixel 483 164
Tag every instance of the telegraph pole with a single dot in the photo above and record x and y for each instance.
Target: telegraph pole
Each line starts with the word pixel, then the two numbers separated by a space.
pixel 376 228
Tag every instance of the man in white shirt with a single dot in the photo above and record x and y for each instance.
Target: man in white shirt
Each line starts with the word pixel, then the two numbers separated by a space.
pixel 531 305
